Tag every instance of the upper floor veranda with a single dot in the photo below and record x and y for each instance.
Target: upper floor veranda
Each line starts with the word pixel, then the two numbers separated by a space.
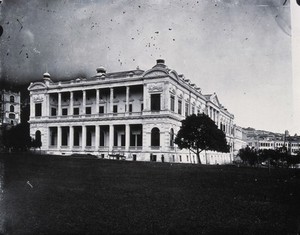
pixel 130 94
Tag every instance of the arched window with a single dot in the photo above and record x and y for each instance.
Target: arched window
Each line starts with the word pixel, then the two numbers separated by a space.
pixel 155 137
pixel 12 116
pixel 12 99
pixel 38 138
pixel 12 108
pixel 171 137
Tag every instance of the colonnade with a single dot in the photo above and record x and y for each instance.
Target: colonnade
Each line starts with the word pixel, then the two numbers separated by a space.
pixel 84 100
pixel 63 137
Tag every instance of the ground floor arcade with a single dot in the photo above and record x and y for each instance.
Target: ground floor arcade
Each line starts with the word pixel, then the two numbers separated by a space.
pixel 130 141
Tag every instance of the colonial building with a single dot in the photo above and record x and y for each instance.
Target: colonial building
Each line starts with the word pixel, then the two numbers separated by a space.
pixel 240 140
pixel 135 114
pixel 261 140
pixel 10 107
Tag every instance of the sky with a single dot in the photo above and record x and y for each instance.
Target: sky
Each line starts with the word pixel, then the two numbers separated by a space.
pixel 240 49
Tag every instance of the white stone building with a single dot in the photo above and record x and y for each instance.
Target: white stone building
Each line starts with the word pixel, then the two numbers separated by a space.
pixel 10 107
pixel 134 113
pixel 240 140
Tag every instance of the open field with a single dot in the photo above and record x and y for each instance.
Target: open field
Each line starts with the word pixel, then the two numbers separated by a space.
pixel 60 195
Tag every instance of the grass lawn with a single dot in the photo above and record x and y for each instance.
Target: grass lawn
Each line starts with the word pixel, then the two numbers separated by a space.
pixel 61 195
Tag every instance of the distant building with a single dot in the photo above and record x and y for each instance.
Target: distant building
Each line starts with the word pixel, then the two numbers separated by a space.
pixel 134 113
pixel 10 105
pixel 240 140
pixel 261 140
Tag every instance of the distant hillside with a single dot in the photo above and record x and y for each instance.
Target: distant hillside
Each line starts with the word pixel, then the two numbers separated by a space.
pixel 253 132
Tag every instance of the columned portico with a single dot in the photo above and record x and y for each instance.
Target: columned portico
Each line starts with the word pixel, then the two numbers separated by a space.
pixel 111 137
pixel 83 143
pixel 59 104
pixel 127 137
pixel 83 101
pixel 59 137
pixel 127 99
pixel 111 99
pixel 129 113
pixel 71 141
pixel 97 100
pixel 97 137
pixel 71 102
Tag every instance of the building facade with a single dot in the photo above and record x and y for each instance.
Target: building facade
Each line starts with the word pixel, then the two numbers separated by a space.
pixel 135 114
pixel 240 140
pixel 10 105
pixel 261 140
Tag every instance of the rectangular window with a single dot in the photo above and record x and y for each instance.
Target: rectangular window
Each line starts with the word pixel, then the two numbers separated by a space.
pixel 64 136
pixel 186 109
pixel 115 108
pixel 77 131
pixel 76 111
pixel 122 140
pixel 130 108
pixel 102 136
pixel 155 102
pixel 139 140
pixel 64 111
pixel 88 110
pixel 88 137
pixel 142 107
pixel 53 137
pixel 115 138
pixel 172 103
pixel 101 109
pixel 193 110
pixel 38 110
pixel 53 111
pixel 179 107
pixel 12 116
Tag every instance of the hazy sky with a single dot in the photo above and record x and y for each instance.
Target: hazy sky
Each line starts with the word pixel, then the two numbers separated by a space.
pixel 240 49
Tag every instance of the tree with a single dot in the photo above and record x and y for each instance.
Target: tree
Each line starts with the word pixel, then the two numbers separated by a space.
pixel 248 155
pixel 293 160
pixel 198 133
pixel 17 138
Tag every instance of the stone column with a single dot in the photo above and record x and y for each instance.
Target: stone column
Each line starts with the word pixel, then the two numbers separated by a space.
pixel 48 109
pixel 145 101
pixel 183 106
pixel 71 140
pixel 59 104
pixel 83 101
pixel 97 137
pixel 127 99
pixel 83 138
pixel 190 104
pixel 127 137
pixel 71 103
pixel 111 99
pixel 111 137
pixel 168 100
pixel 97 100
pixel 176 103
pixel 58 137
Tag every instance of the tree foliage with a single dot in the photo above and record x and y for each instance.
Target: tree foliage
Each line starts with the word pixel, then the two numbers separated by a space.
pixel 276 157
pixel 198 133
pixel 17 138
pixel 248 155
